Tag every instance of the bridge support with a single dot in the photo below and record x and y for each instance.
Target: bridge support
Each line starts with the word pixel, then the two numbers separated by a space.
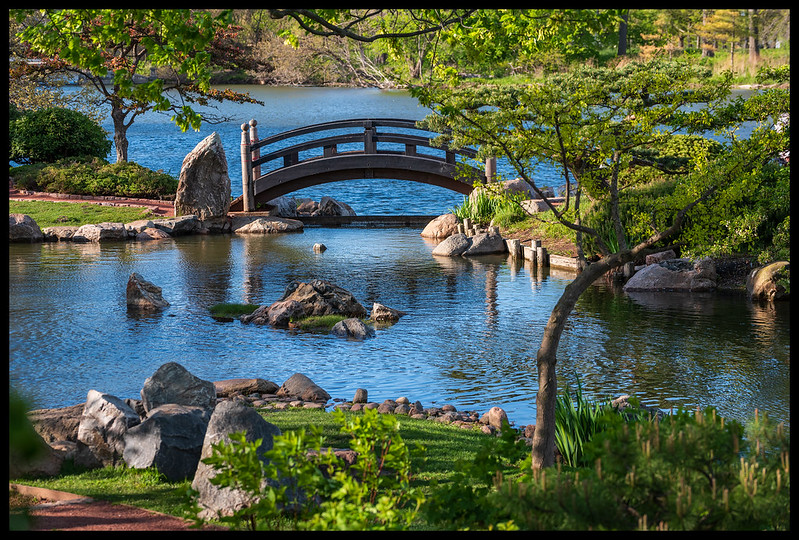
pixel 491 169
pixel 247 188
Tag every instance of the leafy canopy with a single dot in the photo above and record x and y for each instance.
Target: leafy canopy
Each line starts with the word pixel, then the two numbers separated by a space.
pixel 125 43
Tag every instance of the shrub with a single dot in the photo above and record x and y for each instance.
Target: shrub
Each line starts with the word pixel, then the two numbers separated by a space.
pixel 688 471
pixel 47 135
pixel 316 489
pixel 95 176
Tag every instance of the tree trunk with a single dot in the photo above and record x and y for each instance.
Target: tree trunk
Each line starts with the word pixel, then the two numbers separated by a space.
pixel 543 450
pixel 120 133
pixel 622 50
pixel 754 40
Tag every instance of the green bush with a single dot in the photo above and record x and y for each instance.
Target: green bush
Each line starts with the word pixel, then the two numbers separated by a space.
pixel 95 176
pixel 316 489
pixel 47 135
pixel 646 200
pixel 688 471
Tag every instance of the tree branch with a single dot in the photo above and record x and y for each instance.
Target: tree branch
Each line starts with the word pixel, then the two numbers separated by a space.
pixel 328 29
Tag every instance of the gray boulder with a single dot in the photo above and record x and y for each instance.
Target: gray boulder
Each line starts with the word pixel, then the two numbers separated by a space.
pixel 674 275
pixel 283 207
pixel 453 246
pixel 230 387
pixel 23 228
pixel 59 233
pixel 169 439
pixel 142 294
pixel 229 417
pixel 135 227
pixel 301 387
pixel 204 184
pixel 352 328
pixel 103 425
pixel 331 207
pixel 656 258
pixel 485 244
pixel 179 225
pixel 172 383
pixel 441 227
pixel 152 233
pixel 100 232
pixel 267 225
pixel 320 297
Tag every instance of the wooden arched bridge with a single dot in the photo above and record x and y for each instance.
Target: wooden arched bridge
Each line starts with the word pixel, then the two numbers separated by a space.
pixel 318 159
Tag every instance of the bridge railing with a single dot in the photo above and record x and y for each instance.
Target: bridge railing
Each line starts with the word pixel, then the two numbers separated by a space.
pixel 366 141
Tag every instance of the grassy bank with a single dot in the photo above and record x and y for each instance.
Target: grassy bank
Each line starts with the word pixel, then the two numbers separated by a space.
pixel 50 214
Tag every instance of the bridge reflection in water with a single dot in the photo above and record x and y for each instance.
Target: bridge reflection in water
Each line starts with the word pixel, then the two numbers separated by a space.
pixel 378 153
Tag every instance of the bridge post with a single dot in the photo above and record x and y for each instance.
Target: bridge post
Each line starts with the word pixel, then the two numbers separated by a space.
pixel 246 171
pixel 491 169
pixel 369 146
pixel 256 152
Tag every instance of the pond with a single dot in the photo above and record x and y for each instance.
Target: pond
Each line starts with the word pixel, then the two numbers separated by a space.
pixel 472 329
pixel 469 337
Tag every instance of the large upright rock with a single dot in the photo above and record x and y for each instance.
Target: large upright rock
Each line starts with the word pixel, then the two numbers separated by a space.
pixel 172 383
pixel 229 417
pixel 204 184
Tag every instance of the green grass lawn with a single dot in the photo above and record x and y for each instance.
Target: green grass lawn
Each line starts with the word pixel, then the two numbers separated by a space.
pixel 145 488
pixel 49 214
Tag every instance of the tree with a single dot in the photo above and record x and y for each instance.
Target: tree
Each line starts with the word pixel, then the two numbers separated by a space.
pixel 594 125
pixel 138 60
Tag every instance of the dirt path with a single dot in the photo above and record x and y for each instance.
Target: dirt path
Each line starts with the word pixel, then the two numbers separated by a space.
pixel 60 511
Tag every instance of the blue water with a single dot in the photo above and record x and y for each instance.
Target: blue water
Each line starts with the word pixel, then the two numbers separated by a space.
pixel 469 338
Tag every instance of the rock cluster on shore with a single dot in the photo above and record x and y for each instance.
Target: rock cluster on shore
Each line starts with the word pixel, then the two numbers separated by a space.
pixel 179 417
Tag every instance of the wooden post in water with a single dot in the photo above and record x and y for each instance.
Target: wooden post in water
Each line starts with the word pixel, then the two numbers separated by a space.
pixel 246 170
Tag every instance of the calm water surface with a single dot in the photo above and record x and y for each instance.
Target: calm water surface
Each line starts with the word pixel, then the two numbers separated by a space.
pixel 472 329
pixel 470 336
